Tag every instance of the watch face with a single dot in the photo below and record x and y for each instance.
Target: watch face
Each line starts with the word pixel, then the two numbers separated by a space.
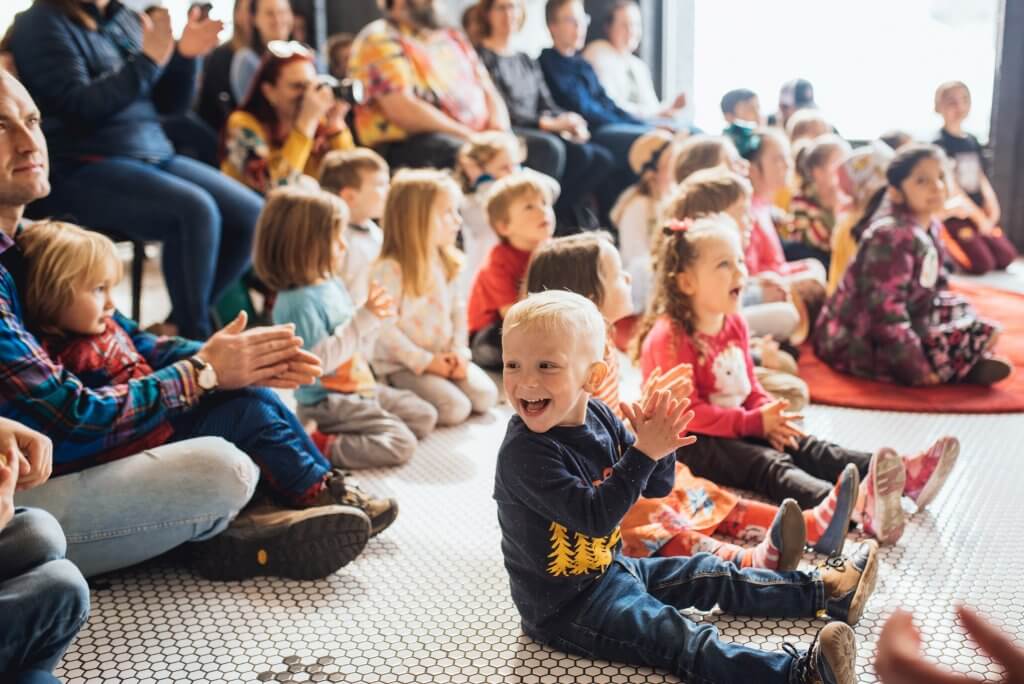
pixel 207 378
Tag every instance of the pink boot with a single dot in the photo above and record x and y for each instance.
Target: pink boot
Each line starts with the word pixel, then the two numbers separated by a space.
pixel 927 472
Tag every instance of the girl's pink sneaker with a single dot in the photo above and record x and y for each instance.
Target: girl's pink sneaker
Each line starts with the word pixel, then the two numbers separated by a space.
pixel 927 472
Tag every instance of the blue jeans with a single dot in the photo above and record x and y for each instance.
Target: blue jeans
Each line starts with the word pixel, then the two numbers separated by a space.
pixel 121 513
pixel 204 219
pixel 632 616
pixel 257 422
pixel 44 599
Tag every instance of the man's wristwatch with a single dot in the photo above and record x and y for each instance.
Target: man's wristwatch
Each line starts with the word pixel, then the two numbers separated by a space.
pixel 206 376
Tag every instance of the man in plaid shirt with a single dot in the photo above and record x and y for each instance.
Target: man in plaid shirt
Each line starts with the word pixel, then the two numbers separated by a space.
pixel 227 432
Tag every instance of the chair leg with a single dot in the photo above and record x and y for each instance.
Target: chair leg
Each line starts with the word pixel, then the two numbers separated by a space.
pixel 138 262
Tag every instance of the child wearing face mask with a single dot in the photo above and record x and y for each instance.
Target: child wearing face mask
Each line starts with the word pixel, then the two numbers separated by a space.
pixel 747 439
pixel 892 317
pixel 567 472
pixel 679 524
pixel 427 349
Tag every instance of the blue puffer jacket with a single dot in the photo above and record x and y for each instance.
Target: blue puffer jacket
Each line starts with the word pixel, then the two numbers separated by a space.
pixel 98 94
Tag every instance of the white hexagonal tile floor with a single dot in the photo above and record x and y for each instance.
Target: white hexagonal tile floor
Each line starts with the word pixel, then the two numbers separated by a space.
pixel 428 600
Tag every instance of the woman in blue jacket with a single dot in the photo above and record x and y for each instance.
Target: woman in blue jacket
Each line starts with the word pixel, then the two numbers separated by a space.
pixel 103 76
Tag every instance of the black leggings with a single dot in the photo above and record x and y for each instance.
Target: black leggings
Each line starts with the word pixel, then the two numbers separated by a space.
pixel 806 473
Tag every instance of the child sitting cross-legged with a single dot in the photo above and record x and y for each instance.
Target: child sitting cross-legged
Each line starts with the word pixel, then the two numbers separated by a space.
pixel 426 350
pixel 679 524
pixel 298 251
pixel 520 213
pixel 748 440
pixel 892 317
pixel 568 470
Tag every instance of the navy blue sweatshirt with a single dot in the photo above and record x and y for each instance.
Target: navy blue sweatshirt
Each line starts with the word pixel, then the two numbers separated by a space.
pixel 98 94
pixel 574 85
pixel 561 496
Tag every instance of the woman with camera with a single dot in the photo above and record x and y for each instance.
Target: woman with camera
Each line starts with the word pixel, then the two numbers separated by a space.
pixel 289 121
pixel 102 76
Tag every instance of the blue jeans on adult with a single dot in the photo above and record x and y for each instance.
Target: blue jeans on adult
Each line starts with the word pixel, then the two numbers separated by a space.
pixel 44 599
pixel 204 219
pixel 632 615
pixel 256 421
pixel 121 513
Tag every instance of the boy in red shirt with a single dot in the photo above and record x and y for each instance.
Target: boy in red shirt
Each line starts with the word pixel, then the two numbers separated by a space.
pixel 519 211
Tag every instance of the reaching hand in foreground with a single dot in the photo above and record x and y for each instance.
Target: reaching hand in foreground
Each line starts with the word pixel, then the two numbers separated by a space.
pixel 899 659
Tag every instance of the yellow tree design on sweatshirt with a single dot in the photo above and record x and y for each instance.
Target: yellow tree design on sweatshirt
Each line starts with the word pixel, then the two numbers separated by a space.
pixel 561 552
pixel 583 555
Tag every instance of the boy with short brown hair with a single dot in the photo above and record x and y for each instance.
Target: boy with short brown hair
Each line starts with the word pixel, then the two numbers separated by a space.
pixel 520 212
pixel 361 178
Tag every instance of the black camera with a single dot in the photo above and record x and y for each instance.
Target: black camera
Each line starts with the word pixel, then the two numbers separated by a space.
pixel 203 7
pixel 347 90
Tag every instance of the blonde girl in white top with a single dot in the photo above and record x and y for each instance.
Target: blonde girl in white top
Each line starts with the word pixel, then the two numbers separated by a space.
pixel 427 350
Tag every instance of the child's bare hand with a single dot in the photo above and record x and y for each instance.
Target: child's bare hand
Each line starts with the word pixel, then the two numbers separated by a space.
pixel 678 382
pixel 379 302
pixel 439 365
pixel 659 424
pixel 458 365
pixel 779 426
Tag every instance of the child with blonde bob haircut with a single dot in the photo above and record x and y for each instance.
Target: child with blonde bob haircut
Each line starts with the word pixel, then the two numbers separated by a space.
pixel 519 211
pixel 426 350
pixel 299 248
pixel 567 472
pixel 71 273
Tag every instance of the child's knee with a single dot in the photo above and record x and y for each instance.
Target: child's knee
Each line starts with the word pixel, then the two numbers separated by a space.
pixel 38 537
pixel 454 408
pixel 484 396
pixel 68 591
pixel 420 417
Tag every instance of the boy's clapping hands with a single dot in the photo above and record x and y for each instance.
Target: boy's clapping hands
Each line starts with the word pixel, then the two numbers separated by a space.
pixel 659 423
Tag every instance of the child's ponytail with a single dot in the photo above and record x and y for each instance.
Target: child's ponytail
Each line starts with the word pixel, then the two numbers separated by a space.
pixel 870 210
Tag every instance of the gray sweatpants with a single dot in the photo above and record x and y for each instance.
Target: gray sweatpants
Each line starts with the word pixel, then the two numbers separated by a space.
pixel 455 400
pixel 370 432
